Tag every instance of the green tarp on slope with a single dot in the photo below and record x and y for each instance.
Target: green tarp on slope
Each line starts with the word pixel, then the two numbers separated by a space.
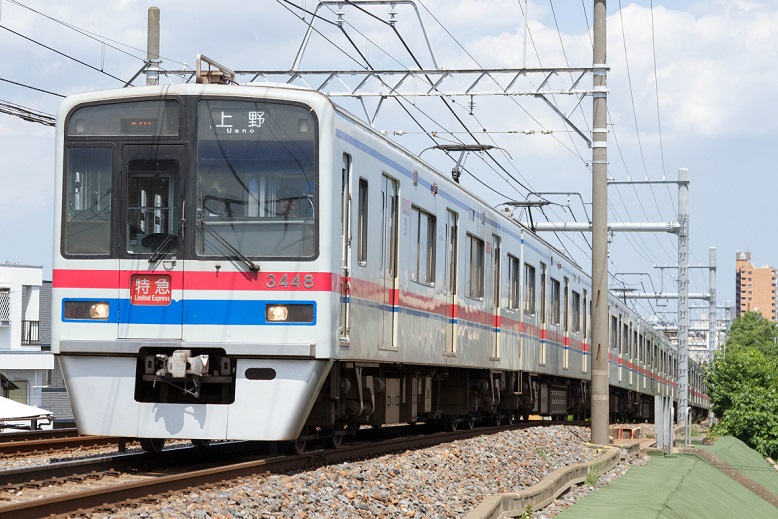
pixel 680 486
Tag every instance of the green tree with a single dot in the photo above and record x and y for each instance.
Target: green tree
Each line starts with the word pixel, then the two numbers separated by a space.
pixel 743 383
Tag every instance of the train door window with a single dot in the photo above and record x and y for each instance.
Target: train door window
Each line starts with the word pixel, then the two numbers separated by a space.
pixel 554 308
pixel 389 210
pixel 345 208
pixel 474 268
pixel 344 323
pixel 450 280
pixel 151 179
pixel 614 333
pixel 639 357
pixel 529 289
pixel 496 252
pixel 566 305
pixel 151 205
pixel 451 252
pixel 362 223
pixel 576 312
pixel 514 285
pixel 423 240
pixel 86 218
pixel 624 349
pixel 389 230
pixel 543 278
pixel 566 324
pixel 587 308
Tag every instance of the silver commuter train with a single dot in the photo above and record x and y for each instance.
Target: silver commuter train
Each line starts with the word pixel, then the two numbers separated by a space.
pixel 253 262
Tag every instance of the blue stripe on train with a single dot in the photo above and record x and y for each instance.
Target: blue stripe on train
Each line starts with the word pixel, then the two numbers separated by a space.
pixel 192 312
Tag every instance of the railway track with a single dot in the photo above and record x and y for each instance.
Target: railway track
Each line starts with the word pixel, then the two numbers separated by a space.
pixel 162 482
pixel 36 442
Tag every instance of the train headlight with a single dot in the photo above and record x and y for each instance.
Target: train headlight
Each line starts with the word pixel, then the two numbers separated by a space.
pixel 289 313
pixel 87 310
pixel 277 313
pixel 98 311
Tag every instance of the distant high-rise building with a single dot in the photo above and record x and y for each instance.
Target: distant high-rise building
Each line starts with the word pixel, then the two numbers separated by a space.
pixel 755 288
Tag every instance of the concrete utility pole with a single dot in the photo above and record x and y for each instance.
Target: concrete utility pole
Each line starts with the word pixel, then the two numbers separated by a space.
pixel 152 47
pixel 600 385
pixel 683 303
pixel 712 331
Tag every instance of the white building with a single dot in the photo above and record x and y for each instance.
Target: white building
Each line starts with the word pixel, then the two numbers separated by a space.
pixel 23 360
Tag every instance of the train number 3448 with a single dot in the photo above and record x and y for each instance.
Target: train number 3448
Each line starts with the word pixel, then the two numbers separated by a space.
pixel 289 280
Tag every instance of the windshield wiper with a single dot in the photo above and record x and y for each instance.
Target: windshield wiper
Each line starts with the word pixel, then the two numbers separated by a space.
pixel 250 264
pixel 163 247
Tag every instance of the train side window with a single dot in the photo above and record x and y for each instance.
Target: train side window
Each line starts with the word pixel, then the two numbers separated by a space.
pixel 513 283
pixel 475 267
pixel 555 303
pixel 423 240
pixel 585 314
pixel 543 278
pixel 529 289
pixel 362 223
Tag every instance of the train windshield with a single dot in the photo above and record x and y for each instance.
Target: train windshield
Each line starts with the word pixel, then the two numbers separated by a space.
pixel 256 180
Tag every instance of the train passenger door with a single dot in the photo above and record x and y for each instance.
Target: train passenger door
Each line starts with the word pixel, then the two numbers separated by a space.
pixel 496 252
pixel 450 283
pixel 389 230
pixel 345 256
pixel 151 278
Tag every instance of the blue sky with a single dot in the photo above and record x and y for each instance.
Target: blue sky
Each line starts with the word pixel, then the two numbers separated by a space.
pixel 691 85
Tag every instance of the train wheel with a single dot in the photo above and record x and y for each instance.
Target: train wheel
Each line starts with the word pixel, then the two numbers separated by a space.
pixel 201 444
pixel 470 422
pixel 335 436
pixel 152 445
pixel 296 446
pixel 452 424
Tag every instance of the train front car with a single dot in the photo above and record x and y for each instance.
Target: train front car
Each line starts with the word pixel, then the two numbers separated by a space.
pixel 192 277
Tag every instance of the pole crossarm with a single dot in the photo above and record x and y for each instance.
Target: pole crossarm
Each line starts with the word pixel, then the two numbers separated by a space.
pixel 423 82
pixel 627 292
pixel 670 227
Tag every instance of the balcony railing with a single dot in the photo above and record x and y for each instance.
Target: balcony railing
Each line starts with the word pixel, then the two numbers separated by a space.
pixel 30 332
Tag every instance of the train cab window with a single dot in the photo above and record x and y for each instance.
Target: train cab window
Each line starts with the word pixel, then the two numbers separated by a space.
pixel 87 202
pixel 256 180
pixel 474 267
pixel 423 246
pixel 529 289
pixel 555 303
pixel 514 283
